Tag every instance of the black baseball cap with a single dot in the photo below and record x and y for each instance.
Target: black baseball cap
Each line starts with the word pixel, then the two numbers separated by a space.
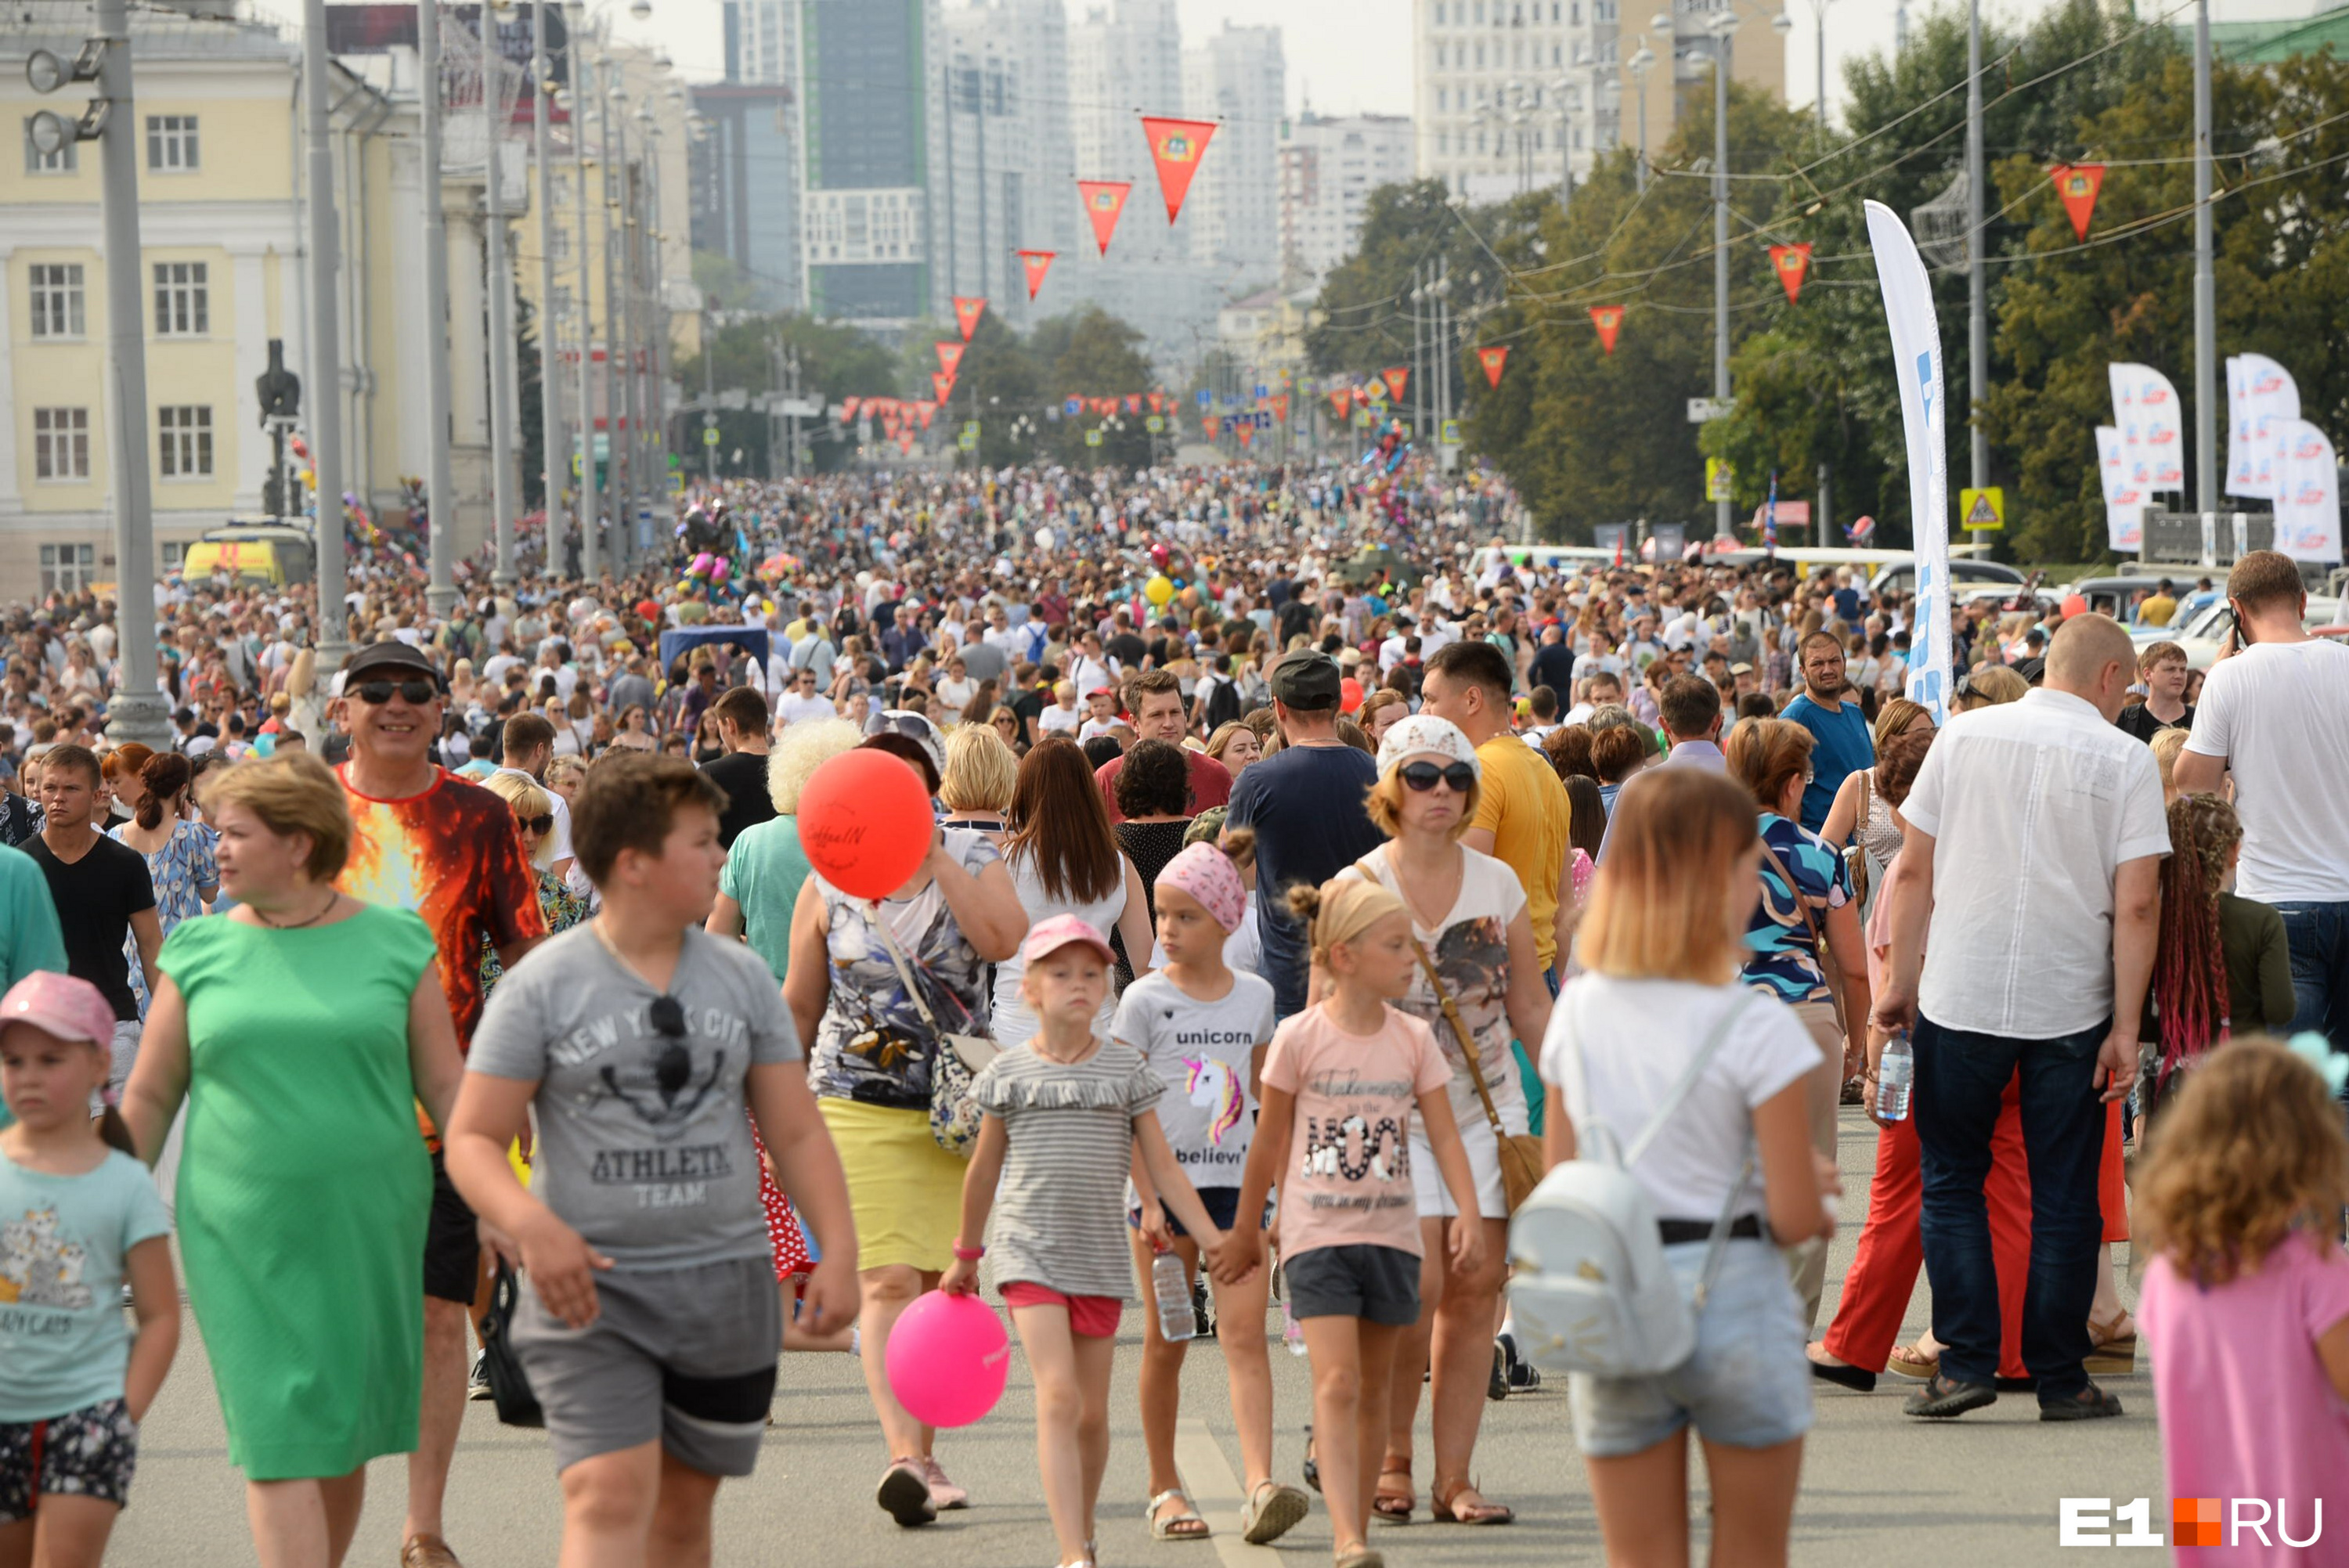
pixel 1307 679
pixel 384 658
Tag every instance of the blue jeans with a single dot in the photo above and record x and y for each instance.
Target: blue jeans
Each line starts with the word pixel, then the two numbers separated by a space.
pixel 2318 934
pixel 1959 1079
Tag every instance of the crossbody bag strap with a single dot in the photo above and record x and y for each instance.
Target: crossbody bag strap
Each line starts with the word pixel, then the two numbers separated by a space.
pixel 1451 1015
pixel 1818 937
pixel 905 970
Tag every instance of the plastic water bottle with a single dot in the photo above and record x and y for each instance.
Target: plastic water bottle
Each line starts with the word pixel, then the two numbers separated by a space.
pixel 1171 1288
pixel 1894 1074
pixel 1292 1333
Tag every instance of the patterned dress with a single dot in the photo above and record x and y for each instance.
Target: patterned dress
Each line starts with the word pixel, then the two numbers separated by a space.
pixel 180 870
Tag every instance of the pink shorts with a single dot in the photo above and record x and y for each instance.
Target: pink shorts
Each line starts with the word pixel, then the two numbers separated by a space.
pixel 1090 1316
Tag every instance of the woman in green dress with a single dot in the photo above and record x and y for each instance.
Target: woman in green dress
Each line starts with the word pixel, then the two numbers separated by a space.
pixel 301 1029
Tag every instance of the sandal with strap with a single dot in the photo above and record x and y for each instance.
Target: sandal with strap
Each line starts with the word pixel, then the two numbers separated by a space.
pixel 1186 1525
pixel 2113 1353
pixel 1447 1508
pixel 1312 1465
pixel 1394 1507
pixel 1271 1511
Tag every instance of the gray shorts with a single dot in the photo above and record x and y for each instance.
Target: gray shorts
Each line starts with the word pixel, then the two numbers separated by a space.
pixel 687 1355
pixel 1359 1280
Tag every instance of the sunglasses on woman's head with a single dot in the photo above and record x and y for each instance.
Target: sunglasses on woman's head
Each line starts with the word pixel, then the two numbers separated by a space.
pixel 1423 777
pixel 415 689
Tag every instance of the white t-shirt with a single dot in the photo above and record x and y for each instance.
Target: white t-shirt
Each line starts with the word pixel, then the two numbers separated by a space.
pixel 1636 1038
pixel 561 813
pixel 796 709
pixel 1012 1023
pixel 2279 713
pixel 1202 1051
pixel 1055 719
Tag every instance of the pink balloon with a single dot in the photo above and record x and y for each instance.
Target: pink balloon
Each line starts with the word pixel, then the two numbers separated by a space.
pixel 2074 604
pixel 718 569
pixel 947 1359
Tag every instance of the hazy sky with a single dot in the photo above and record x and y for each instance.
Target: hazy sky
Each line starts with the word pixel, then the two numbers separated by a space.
pixel 1354 55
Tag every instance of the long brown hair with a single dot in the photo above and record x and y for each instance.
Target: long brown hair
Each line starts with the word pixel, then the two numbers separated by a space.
pixel 1059 827
pixel 2189 963
pixel 165 777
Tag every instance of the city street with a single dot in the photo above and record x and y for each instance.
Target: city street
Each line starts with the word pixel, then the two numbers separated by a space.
pixel 1877 1488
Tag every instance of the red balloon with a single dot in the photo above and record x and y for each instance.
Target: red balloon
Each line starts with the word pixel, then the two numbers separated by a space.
pixel 1349 695
pixel 865 822
pixel 2073 604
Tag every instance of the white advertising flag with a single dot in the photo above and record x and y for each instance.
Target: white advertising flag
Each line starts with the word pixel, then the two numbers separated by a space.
pixel 1917 360
pixel 2308 500
pixel 2239 428
pixel 2262 400
pixel 2146 410
pixel 2124 501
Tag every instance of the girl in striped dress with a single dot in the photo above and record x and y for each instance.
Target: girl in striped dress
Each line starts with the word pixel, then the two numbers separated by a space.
pixel 1065 1114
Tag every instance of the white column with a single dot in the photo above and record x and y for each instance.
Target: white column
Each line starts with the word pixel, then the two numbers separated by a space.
pixel 409 347
pixel 249 319
pixel 11 503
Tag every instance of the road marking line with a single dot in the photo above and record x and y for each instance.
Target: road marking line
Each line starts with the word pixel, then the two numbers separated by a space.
pixel 1215 1493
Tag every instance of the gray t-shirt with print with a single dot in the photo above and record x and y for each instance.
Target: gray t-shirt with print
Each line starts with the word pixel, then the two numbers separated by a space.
pixel 642 1138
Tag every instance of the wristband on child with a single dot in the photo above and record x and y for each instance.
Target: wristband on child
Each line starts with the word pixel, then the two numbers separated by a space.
pixel 968 1255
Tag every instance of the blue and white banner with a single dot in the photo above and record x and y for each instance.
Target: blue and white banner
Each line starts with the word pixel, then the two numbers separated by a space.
pixel 1924 416
pixel 2261 401
pixel 2146 412
pixel 2125 499
pixel 2308 496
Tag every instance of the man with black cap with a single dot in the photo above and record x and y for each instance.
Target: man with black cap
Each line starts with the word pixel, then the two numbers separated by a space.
pixel 1306 803
pixel 427 840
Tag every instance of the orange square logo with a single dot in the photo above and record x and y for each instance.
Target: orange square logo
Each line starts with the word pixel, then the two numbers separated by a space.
pixel 2194 1521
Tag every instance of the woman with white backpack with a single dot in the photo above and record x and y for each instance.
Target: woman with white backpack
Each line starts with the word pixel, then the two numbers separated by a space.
pixel 1671 1073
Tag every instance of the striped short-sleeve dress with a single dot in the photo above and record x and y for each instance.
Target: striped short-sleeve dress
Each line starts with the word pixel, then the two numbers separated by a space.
pixel 1060 1209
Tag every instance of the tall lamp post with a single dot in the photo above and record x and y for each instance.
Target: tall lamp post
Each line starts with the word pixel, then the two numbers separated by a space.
pixel 1641 62
pixel 552 443
pixel 440 501
pixel 495 123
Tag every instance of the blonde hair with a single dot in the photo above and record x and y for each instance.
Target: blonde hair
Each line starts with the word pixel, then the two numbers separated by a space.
pixel 1993 685
pixel 799 751
pixel 559 768
pixel 1384 803
pixel 292 792
pixel 1655 909
pixel 980 770
pixel 527 800
pixel 1339 911
pixel 2167 745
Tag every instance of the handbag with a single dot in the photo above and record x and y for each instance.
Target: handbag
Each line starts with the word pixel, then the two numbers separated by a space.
pixel 509 1384
pixel 1855 855
pixel 954 1067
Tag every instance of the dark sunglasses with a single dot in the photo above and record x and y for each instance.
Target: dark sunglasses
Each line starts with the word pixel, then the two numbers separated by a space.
pixel 1422 777
pixel 541 824
pixel 415 689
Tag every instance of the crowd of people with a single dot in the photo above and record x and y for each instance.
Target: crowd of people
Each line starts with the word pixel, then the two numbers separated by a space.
pixel 1302 856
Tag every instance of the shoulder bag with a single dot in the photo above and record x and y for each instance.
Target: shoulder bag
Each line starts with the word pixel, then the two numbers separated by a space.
pixel 1854 854
pixel 1818 937
pixel 956 1063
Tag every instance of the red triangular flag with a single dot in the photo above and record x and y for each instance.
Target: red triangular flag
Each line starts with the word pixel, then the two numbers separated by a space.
pixel 1103 200
pixel 848 409
pixel 942 383
pixel 1397 378
pixel 906 441
pixel 924 410
pixel 1609 320
pixel 1339 400
pixel 1494 358
pixel 1792 262
pixel 1247 433
pixel 966 314
pixel 1175 146
pixel 950 357
pixel 1207 423
pixel 1038 264
pixel 1280 407
pixel 2077 184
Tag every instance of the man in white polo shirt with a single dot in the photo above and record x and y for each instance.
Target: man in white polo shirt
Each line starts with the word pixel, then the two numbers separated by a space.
pixel 2035 833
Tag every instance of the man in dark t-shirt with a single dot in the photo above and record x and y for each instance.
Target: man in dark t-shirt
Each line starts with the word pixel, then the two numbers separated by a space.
pixel 742 771
pixel 102 892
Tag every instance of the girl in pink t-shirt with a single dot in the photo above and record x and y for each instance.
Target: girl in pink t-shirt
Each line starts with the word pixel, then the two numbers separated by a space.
pixel 2246 1304
pixel 1338 1088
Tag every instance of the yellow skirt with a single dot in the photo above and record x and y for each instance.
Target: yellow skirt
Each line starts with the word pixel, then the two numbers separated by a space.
pixel 905 1190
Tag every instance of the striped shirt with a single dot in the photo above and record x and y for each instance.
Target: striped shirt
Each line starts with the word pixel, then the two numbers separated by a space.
pixel 1059 1218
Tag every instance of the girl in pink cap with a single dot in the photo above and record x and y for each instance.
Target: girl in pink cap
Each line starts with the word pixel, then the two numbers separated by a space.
pixel 81 1215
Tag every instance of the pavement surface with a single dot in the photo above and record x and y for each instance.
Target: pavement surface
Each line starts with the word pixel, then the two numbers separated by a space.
pixel 1877 1487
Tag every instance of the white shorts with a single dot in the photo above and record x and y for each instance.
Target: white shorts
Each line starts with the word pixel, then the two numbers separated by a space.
pixel 1484 1164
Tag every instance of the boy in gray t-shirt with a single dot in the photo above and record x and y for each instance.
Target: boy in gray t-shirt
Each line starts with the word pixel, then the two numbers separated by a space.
pixel 636 1043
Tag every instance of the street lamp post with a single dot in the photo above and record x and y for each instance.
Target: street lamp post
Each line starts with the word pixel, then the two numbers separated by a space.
pixel 1723 24
pixel 551 443
pixel 2206 458
pixel 500 278
pixel 1977 310
pixel 1641 62
pixel 591 516
pixel 326 362
pixel 440 501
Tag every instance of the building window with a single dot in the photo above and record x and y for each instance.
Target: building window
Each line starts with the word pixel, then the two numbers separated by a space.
pixel 57 299
pixel 67 568
pixel 61 443
pixel 64 161
pixel 558 244
pixel 183 299
pixel 171 143
pixel 186 433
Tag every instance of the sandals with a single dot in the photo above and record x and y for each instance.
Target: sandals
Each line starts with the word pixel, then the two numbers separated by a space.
pixel 1267 1518
pixel 1312 1465
pixel 1186 1525
pixel 2114 1353
pixel 1914 1361
pixel 1390 1506
pixel 1447 1508
pixel 1361 1557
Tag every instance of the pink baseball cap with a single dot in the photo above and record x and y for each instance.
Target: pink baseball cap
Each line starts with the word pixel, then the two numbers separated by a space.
pixel 68 1008
pixel 1048 936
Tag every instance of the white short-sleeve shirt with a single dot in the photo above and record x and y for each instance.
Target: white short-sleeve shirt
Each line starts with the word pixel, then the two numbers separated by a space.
pixel 2279 713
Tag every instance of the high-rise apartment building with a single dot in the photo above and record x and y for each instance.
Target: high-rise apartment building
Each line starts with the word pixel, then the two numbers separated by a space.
pixel 1006 125
pixel 1329 166
pixel 1236 79
pixel 745 176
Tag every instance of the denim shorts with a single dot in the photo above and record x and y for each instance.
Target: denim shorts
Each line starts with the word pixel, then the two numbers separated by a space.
pixel 1747 1386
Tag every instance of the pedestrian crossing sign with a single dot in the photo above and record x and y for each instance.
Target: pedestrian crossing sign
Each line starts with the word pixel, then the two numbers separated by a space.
pixel 1984 508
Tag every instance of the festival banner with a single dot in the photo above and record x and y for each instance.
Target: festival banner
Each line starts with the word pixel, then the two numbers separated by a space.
pixel 1609 320
pixel 848 409
pixel 950 357
pixel 942 383
pixel 1340 401
pixel 1247 434
pixel 2125 503
pixel 1397 378
pixel 1280 407
pixel 2145 407
pixel 1792 263
pixel 2262 400
pixel 1494 360
pixel 924 410
pixel 2077 184
pixel 1924 415
pixel 966 314
pixel 2308 496
pixel 1103 200
pixel 1038 264
pixel 1176 147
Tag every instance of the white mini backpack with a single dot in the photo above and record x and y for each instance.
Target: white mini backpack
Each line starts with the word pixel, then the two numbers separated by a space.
pixel 1589 1286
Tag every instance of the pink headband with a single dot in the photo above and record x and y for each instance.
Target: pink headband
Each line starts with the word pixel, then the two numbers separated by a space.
pixel 1207 874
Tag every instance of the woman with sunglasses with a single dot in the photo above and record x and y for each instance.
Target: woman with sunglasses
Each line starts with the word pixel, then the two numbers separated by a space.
pixel 1469 921
pixel 534 810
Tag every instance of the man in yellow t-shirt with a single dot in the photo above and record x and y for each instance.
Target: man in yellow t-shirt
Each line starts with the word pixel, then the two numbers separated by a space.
pixel 1522 813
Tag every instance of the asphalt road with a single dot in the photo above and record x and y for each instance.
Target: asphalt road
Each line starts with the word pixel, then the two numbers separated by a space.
pixel 1877 1487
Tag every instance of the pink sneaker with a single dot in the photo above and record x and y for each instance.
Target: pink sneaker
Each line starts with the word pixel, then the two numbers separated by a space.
pixel 944 1493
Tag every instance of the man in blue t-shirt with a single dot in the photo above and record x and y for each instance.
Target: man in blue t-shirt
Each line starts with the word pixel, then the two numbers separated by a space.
pixel 1308 805
pixel 1829 709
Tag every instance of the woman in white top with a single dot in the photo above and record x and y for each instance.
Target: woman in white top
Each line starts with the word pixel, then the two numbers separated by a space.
pixel 1064 859
pixel 1468 916
pixel 1662 942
